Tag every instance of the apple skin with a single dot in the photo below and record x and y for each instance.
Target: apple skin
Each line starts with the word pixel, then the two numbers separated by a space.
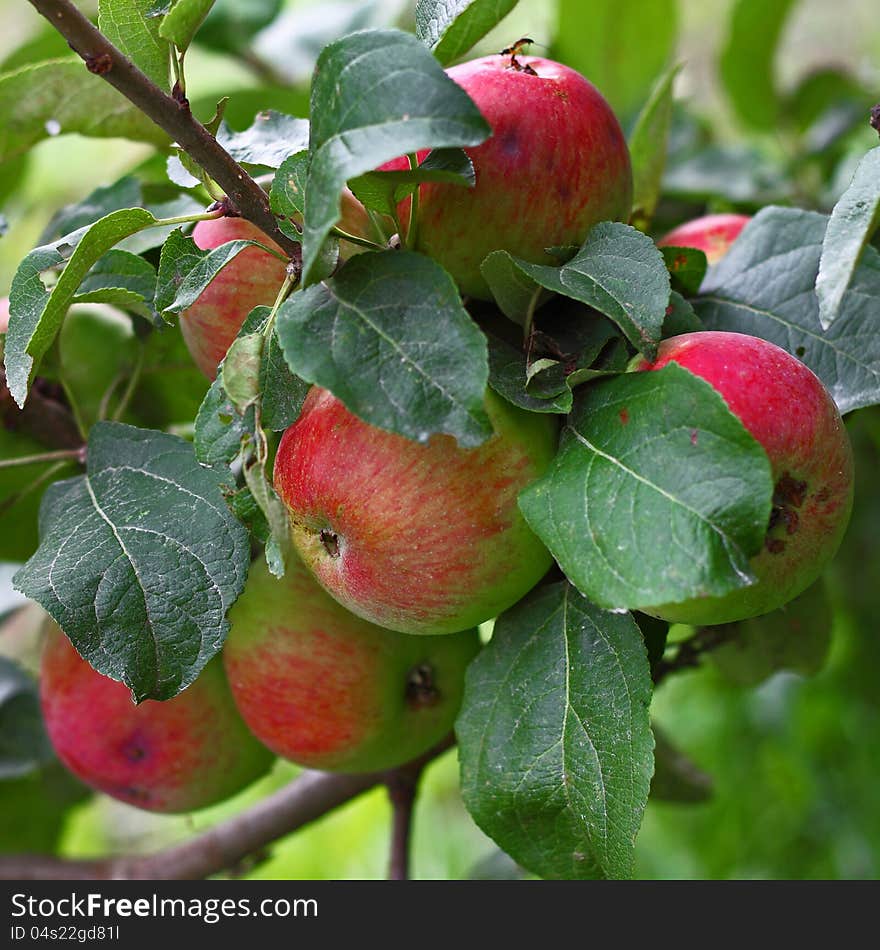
pixel 174 756
pixel 423 538
pixel 328 690
pixel 556 164
pixel 251 279
pixel 789 412
pixel 713 234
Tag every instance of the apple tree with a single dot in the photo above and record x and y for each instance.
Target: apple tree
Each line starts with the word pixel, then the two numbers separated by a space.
pixel 420 398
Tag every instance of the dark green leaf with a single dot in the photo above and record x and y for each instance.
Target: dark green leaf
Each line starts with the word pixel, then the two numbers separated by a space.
pixel 619 272
pixel 736 173
pixel 125 193
pixel 515 292
pixel 286 196
pixel 680 317
pixel 272 138
pixel 451 27
pixel 648 144
pixel 412 105
pixel 765 286
pixel 655 633
pixel 507 376
pixel 390 338
pixel 796 637
pixel 24 745
pixel 35 809
pixel 658 493
pixel 746 63
pixel 219 428
pixel 383 191
pixel 621 46
pixel 183 20
pixel 687 267
pixel 852 224
pixel 275 513
pixel 139 560
pixel 283 394
pixel 60 97
pixel 36 313
pixel 129 26
pixel 554 737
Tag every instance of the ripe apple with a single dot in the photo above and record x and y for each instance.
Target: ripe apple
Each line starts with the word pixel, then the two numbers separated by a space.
pixel 173 756
pixel 250 279
pixel 416 537
pixel 791 414
pixel 328 690
pixel 556 164
pixel 713 234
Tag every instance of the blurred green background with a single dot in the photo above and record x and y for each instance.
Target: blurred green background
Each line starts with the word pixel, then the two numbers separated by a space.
pixel 793 763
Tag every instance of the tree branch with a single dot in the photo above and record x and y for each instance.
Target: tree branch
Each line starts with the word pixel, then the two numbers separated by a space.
pixel 227 844
pixel 402 789
pixel 690 652
pixel 172 115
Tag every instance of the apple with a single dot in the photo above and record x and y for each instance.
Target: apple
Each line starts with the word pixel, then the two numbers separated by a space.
pixel 328 690
pixel 173 756
pixel 556 164
pixel 250 279
pixel 789 412
pixel 416 537
pixel 713 234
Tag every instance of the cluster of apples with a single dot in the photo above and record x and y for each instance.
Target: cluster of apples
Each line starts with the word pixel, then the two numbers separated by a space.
pixel 355 660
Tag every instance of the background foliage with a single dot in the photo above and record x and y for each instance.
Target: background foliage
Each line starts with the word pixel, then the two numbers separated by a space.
pixel 772 99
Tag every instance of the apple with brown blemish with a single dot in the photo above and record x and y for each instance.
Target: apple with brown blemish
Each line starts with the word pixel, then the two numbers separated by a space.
pixel 174 756
pixel 328 690
pixel 556 164
pixel 713 234
pixel 785 407
pixel 416 537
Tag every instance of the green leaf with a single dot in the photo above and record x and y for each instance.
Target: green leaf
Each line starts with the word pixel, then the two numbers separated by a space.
pixel 283 394
pixel 125 280
pixel 376 95
pixel 658 493
pixel 241 369
pixel 181 23
pixel 271 138
pixel 36 314
pixel 765 286
pixel 518 296
pixel 451 27
pixel 383 191
pixel 231 24
pixel 686 265
pixel 60 97
pixel 746 63
pixel 390 338
pixel 797 637
pixel 852 224
pixel 508 377
pixel 619 272
pixel 680 317
pixel 125 193
pixel 24 745
pixel 185 270
pixel 129 27
pixel 736 173
pixel 648 145
pixel 139 560
pixel 275 513
pixel 621 46
pixel 220 427
pixel 554 737
pixel 287 194
pixel 676 778
pixel 35 809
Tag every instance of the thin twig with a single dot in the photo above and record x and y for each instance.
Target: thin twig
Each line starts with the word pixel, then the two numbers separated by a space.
pixel 402 790
pixel 227 844
pixel 172 115
pixel 76 455
pixel 690 652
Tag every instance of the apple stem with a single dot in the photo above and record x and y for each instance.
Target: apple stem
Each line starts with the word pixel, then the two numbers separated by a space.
pixel 412 227
pixel 354 239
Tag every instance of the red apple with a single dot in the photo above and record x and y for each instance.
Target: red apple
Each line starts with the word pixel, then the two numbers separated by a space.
pixel 713 234
pixel 328 690
pixel 250 279
pixel 556 164
pixel 173 756
pixel 415 537
pixel 791 414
